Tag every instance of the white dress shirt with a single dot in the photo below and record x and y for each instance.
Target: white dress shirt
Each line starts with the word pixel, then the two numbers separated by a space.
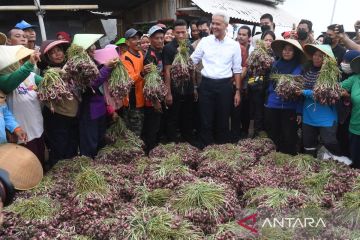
pixel 220 58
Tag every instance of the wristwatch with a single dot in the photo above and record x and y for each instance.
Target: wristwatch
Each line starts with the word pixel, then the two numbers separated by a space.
pixel 238 89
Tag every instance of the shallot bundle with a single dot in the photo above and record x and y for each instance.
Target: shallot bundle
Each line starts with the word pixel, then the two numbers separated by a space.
pixel 53 87
pixel 260 60
pixel 182 65
pixel 119 82
pixel 80 68
pixel 288 86
pixel 327 89
pixel 154 89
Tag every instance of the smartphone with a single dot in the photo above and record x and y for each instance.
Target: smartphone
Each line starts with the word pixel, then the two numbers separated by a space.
pixel 340 28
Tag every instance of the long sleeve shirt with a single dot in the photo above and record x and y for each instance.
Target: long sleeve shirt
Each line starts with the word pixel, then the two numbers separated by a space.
pixel 220 58
pixel 352 85
pixel 7 121
pixel 97 101
pixel 314 113
pixel 9 82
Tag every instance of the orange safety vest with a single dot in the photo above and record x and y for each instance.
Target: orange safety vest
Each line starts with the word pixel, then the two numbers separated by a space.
pixel 134 65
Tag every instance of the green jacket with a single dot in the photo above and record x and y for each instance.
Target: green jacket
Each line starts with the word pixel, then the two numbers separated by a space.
pixel 9 82
pixel 352 85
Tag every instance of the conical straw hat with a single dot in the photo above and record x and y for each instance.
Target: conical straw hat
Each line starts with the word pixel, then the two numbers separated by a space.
pixel 310 49
pixel 23 166
pixel 278 46
pixel 12 54
pixel 86 40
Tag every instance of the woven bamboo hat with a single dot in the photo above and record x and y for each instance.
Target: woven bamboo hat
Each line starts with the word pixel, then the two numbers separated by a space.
pixel 23 166
pixel 310 49
pixel 355 65
pixel 278 46
pixel 12 54
pixel 86 40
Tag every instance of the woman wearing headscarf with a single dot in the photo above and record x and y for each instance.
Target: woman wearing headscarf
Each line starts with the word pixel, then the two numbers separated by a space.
pixel 283 116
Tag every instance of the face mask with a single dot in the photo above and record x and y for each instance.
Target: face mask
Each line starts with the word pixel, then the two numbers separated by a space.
pixel 327 40
pixel 302 35
pixel 203 34
pixel 345 67
pixel 265 28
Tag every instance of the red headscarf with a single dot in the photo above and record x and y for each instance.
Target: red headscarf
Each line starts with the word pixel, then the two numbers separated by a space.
pixel 65 36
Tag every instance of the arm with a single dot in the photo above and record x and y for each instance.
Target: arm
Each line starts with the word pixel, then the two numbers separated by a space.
pixel 103 76
pixel 167 78
pixel 10 122
pixel 349 44
pixel 10 82
pixel 197 55
pixel 38 79
pixel 347 83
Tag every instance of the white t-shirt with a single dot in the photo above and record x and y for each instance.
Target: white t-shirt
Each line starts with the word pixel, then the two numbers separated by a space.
pixel 25 105
pixel 220 58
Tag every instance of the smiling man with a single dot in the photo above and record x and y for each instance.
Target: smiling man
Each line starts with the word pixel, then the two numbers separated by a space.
pixel 221 57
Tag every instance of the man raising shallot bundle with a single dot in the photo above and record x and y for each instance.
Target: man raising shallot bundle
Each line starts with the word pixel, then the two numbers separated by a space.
pixel 153 109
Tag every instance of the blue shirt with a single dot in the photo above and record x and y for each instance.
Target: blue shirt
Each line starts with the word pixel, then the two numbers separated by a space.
pixel 274 101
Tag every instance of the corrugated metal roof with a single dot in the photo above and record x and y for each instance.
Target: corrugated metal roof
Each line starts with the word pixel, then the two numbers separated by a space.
pixel 247 11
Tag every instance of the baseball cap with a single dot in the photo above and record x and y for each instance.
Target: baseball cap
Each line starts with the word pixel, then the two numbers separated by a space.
pixel 132 32
pixel 24 25
pixel 155 29
pixel 121 41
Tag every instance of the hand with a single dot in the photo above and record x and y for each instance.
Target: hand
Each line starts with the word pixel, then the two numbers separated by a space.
pixel 196 95
pixel 157 106
pixel 111 63
pixel 339 34
pixel 115 117
pixel 237 99
pixel 344 93
pixel 147 69
pixel 168 99
pixel 34 58
pixel 21 135
pixel 298 119
pixel 293 34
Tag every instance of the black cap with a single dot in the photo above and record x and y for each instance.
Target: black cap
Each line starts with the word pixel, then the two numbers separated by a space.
pixel 132 32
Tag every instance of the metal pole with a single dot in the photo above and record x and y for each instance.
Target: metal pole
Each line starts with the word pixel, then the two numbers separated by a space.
pixel 333 12
pixel 40 13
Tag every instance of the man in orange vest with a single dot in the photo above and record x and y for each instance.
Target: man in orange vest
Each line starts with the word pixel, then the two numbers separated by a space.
pixel 133 61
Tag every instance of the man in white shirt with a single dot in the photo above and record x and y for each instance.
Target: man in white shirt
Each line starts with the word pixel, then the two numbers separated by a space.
pixel 221 58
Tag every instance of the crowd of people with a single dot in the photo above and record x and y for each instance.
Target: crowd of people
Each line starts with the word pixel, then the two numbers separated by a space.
pixel 214 106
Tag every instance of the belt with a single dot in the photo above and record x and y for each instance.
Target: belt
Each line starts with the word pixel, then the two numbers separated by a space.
pixel 217 80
